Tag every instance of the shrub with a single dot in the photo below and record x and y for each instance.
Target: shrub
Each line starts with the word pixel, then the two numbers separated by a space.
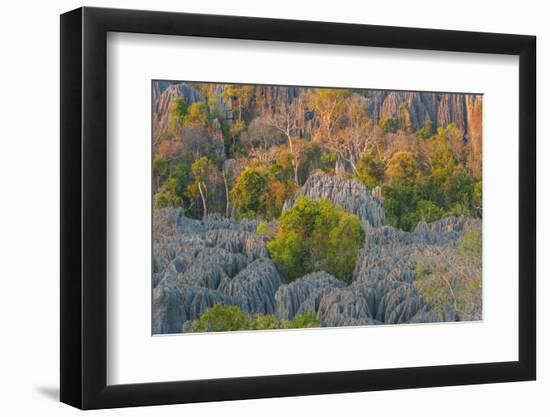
pixel 261 322
pixel 314 235
pixel 303 321
pixel 222 318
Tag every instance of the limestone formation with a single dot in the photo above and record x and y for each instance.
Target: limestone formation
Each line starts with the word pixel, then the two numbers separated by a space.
pixel 162 103
pixel 351 195
pixel 253 289
pixel 414 108
pixel 303 295
pixel 200 263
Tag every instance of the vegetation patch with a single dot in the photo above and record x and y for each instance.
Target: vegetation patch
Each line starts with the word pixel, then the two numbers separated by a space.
pixel 225 318
pixel 451 281
pixel 314 235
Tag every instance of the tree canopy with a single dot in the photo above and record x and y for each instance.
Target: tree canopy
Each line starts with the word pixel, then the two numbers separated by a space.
pixel 315 235
pixel 277 136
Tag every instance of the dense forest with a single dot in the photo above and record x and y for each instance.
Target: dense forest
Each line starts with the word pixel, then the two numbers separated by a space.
pixel 243 150
pixel 275 158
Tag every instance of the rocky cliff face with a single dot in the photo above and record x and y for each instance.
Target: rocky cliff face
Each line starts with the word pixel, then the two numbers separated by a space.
pixel 351 195
pixel 412 107
pixel 159 87
pixel 163 94
pixel 199 263
pixel 417 107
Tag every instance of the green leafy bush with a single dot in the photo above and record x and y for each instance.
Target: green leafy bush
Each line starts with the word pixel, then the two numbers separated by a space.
pixel 221 318
pixel 260 193
pixel 303 321
pixel 225 318
pixel 314 235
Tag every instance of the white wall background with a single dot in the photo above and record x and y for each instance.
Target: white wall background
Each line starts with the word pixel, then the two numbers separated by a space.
pixel 29 225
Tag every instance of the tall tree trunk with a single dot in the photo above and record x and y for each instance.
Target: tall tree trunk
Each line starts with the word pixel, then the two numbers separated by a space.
pixel 203 198
pixel 291 149
pixel 226 194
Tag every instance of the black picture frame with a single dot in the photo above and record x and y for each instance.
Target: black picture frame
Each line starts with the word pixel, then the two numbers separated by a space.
pixel 84 207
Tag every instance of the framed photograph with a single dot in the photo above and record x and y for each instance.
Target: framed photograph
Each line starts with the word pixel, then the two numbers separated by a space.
pixel 257 208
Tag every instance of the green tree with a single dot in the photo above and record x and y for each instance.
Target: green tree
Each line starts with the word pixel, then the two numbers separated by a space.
pixel 160 169
pixel 172 191
pixel 221 318
pixel 197 115
pixel 370 171
pixel 236 129
pixel 426 131
pixel 428 211
pixel 260 192
pixel 204 174
pixel 390 125
pixel 329 105
pixel 248 192
pixel 400 203
pixel 168 195
pixel 328 161
pixel 314 235
pixel 176 113
pixel 401 168
pixel 239 94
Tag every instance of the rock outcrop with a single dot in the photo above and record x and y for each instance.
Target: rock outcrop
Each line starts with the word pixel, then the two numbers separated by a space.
pixel 351 195
pixel 303 295
pixel 253 289
pixel 415 107
pixel 159 87
pixel 200 263
pixel 161 104
pixel 344 307
pixel 385 266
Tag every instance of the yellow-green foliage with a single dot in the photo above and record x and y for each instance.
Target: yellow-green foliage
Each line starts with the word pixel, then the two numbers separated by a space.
pixel 470 247
pixel 452 281
pixel 268 229
pixel 303 321
pixel 176 113
pixel 401 168
pixel 259 193
pixel 220 318
pixel 225 318
pixel 314 235
pixel 197 114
